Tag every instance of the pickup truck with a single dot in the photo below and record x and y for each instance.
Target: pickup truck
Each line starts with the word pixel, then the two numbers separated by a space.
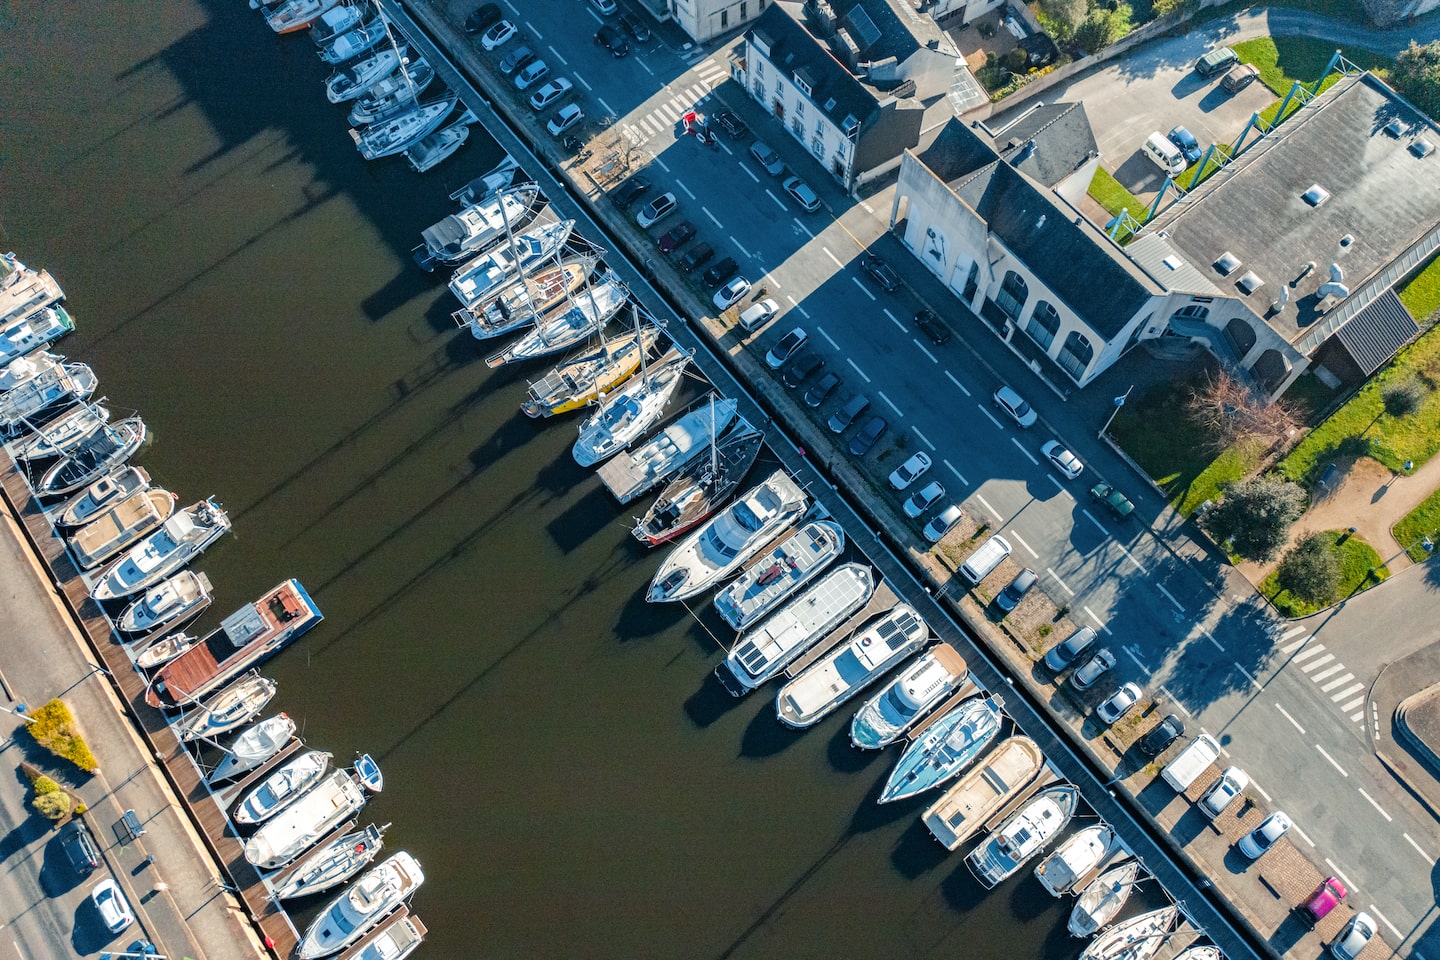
pixel 1118 503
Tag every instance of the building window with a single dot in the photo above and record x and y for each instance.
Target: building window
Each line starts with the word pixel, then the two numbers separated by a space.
pixel 817 146
pixel 797 127
pixel 800 108
pixel 1013 294
pixel 742 9
pixel 759 67
pixel 1192 312
pixel 1075 356
pixel 1044 324
pixel 759 91
pixel 972 282
pixel 724 19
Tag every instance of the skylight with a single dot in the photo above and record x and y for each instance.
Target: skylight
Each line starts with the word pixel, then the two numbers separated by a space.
pixel 1316 195
pixel 1227 264
pixel 1249 283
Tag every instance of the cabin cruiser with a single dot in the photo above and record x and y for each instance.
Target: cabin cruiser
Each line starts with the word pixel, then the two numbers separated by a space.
pixel 1082 853
pixel 332 864
pixel 851 666
pixel 793 563
pixel 337 21
pixel 527 299
pixel 429 152
pixel 322 808
pixel 33 331
pixel 166 604
pixel 1102 899
pixel 392 94
pixel 17 371
pixel 398 938
pixel 53 388
pixel 179 540
pixel 1023 834
pixel 254 747
pixel 23 294
pixel 488 183
pixel 962 811
pixel 627 412
pixel 475 281
pixel 59 436
pixel 97 454
pixel 293 15
pixel 282 787
pixel 351 44
pixel 378 892
pixel 901 703
pixel 101 496
pixel 387 137
pixel 162 651
pixel 120 526
pixel 477 227
pixel 234 706
pixel 944 749
pixel 657 459
pixel 358 78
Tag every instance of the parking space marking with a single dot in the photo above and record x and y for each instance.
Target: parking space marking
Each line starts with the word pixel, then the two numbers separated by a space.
pixel 598 19
pixel 1303 835
pixel 923 350
pixel 1098 622
pixel 1176 700
pixel 898 411
pixel 558 55
pixel 1161 587
pixel 1021 447
pixel 828 337
pixel 681 185
pixel 531 27
pixel 1381 917
pixel 1138 662
pixel 713 219
pixel 998 424
pixel 608 109
pixel 747 254
pixel 897 323
pixel 643 67
pixel 1021 540
pixel 855 365
pixel 1285 713
pixel 721 145
pixel 1253 682
pixel 993 512
pixel 583 82
pixel 778 202
pixel 751 173
pixel 957 383
pixel 1378 809
pixel 963 481
pixel 1261 790
pixel 1059 581
pixel 834 259
pixel 513 7
pixel 1318 662
pixel 1418 849
pixel 1333 668
pixel 1060 485
pixel 804 229
pixel 1350 887
pixel 1212 640
pixel 923 439
pixel 803 312
pixel 1334 764
pixel 1307 654
pixel 862 287
pixel 1097 523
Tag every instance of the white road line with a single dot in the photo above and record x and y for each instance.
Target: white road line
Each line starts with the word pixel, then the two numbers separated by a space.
pixel 1098 621
pixel 598 19
pixel 558 55
pixel 531 27
pixel 923 439
pixel 1019 446
pixel 1212 639
pixel 923 350
pixel 721 145
pixel 1283 712
pixel 998 424
pixel 1418 849
pixel 1138 662
pixel 1141 567
pixel 894 321
pixel 1379 809
pixel 778 202
pixel 1059 581
pixel 643 67
pixel 748 255
pixel 857 368
pixel 833 258
pixel 751 173
pixel 1347 692
pixel 1292 632
pixel 1332 669
pixel 1177 703
pixel 1350 887
pixel 714 219
pixel 957 383
pixel 828 337
pixel 1255 683
pixel 803 312
pixel 963 481
pixel 583 82
pixel 608 109
pixel 1168 595
pixel 1346 708
pixel 1261 790
pixel 803 228
pixel 1318 663
pixel 1307 654
pixel 1015 535
pixel 1303 835
pixel 1060 485
pixel 866 291
pixel 681 185
pixel 1381 917
pixel 1292 647
pixel 1334 764
pixel 513 7
pixel 993 512
pixel 898 411
pixel 1097 523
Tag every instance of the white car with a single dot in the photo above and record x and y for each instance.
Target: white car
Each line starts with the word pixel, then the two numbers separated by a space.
pixel 1119 703
pixel 567 117
pixel 1222 793
pixel 732 293
pixel 1258 842
pixel 1357 934
pixel 757 315
pixel 114 908
pixel 656 210
pixel 551 92
pixel 909 471
pixel 800 191
pixel 606 7
pixel 936 529
pixel 1062 459
pixel 1015 406
pixel 497 35
pixel 532 72
pixel 923 499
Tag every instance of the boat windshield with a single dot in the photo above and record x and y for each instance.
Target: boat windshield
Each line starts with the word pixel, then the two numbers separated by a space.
pixel 746 517
pixel 850 668
pixel 895 706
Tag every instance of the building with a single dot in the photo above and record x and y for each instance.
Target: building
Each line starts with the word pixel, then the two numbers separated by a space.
pixel 1387 13
pixel 706 19
pixel 1282 260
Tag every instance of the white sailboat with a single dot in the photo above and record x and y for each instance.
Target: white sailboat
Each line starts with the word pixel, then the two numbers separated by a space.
pixel 590 309
pixel 526 299
pixel 332 864
pixel 392 94
pixel 475 281
pixel 1138 938
pixel 1102 899
pixel 235 705
pixel 59 436
pixel 350 82
pixel 253 747
pixel 625 413
pixel 385 138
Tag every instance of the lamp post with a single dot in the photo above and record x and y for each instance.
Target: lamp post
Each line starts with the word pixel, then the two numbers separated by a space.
pixel 1119 402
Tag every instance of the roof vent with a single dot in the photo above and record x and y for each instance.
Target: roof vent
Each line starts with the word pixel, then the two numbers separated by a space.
pixel 1227 264
pixel 1173 262
pixel 1249 283
pixel 1395 128
pixel 1316 195
pixel 1422 148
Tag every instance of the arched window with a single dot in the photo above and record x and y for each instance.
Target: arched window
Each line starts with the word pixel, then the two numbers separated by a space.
pixel 1044 324
pixel 1193 311
pixel 1013 294
pixel 1075 356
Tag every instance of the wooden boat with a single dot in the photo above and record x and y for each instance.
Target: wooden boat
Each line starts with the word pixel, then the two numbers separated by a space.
pixel 353 81
pixel 101 496
pixel 164 650
pixel 582 380
pixel 281 788
pixel 520 302
pixel 963 809
pixel 392 94
pixel 701 488
pixel 318 811
pixel 1135 939
pixel 429 152
pixel 253 747
pixel 944 749
pixel 586 315
pixel 293 15
pixel 386 138
pixel 232 707
pixel 120 526
pixel 1023 834
pixel 625 413
pixel 96 455
pixel 167 604
pixel 59 436
pixel 1102 899
pixel 379 892
pixel 794 562
pixel 1084 851
pixel 333 863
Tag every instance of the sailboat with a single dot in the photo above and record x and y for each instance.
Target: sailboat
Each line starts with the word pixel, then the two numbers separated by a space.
pixel 1102 899
pixel 589 311
pixel 253 747
pixel 388 137
pixel 333 864
pixel 626 413
pixel 53 388
pixel 476 228
pixel 59 436
pixel 392 94
pixel 1138 938
pixel 350 82
pixel 702 487
pixel 583 379
pixel 228 709
pixel 475 281
pixel 522 301
pixel 93 457
pixel 943 749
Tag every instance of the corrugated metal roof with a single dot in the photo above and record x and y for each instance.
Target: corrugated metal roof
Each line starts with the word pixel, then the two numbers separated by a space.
pixel 1167 265
pixel 1375 333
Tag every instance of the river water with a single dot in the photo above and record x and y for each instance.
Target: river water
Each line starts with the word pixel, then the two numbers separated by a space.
pixel 554 751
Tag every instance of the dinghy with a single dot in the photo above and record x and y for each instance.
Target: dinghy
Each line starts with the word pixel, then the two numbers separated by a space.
pixel 252 748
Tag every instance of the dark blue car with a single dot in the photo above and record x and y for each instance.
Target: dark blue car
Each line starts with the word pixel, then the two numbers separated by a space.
pixel 1187 143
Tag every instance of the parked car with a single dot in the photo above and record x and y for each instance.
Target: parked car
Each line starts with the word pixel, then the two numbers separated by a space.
pixel 565 118
pixel 697 256
pixel 629 191
pixel 533 71
pixel 1119 703
pixel 516 59
pixel 1114 500
pixel 821 389
pixel 1240 76
pixel 656 210
pixel 549 93
pixel 731 293
pixel 801 368
pixel 880 272
pixel 942 522
pixel 1093 669
pixel 865 440
pixel 1326 897
pixel 731 124
pixel 497 35
pixel 482 18
pixel 801 193
pixel 676 236
pixel 1062 459
pixel 1223 792
pixel 635 27
pixel 605 7
pixel 718 273
pixel 1258 842
pixel 80 847
pixel 1015 407
pixel 1215 61
pixel 1161 735
pixel 849 411
pixel 910 471
pixel 932 327
pixel 786 348
pixel 923 499
pixel 1357 934
pixel 1067 651
pixel 766 156
pixel 758 314
pixel 1022 583
pixel 113 907
pixel 613 40
pixel 1186 143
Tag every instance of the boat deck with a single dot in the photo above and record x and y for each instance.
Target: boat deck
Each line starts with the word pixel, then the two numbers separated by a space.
pixel 227 794
pixel 1047 776
pixel 967 690
pixel 23 295
pixel 385 926
pixel 881 600
pixel 129 519
pixel 630 473
pixel 745 595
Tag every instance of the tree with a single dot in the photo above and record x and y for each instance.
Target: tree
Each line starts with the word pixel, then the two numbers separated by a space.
pixel 1255 516
pixel 1063 16
pixel 1229 411
pixel 1402 397
pixel 1417 75
pixel 1310 569
pixel 1103 27
pixel 1163 8
pixel 52 806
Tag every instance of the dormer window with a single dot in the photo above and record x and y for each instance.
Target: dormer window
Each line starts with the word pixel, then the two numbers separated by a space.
pixel 800 82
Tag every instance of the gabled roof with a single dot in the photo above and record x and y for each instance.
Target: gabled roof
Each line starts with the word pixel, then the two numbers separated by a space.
pixel 833 89
pixel 1048 143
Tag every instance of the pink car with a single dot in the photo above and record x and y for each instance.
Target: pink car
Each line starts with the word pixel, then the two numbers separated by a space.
pixel 1326 897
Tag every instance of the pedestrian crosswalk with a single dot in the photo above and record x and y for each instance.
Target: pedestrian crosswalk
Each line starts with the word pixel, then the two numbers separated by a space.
pixel 666 108
pixel 1321 668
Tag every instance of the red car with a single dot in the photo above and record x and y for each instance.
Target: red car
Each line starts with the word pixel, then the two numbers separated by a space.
pixel 1326 897
pixel 676 236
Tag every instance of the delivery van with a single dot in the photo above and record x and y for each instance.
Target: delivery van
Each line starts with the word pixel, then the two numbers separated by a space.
pixel 984 561
pixel 1191 762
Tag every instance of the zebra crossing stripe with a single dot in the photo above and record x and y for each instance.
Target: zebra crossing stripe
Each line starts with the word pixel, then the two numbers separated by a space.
pixel 1336 682
pixel 1292 647
pixel 1318 663
pixel 1335 668
pixel 1309 652
pixel 1349 691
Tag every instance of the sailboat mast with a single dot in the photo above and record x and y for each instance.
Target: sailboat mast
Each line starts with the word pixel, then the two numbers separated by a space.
pixel 714 439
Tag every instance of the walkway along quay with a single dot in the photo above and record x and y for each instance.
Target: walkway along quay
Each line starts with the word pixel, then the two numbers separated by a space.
pixel 1071 764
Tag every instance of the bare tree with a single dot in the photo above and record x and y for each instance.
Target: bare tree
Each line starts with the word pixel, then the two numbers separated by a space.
pixel 1229 411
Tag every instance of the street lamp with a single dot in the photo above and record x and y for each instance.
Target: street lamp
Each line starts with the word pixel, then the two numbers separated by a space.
pixel 19 711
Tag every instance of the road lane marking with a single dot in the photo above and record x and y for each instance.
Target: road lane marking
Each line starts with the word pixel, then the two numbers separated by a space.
pixel 1379 809
pixel 643 67
pixel 1168 595
pixel 721 145
pixel 1318 663
pixel 1307 654
pixel 751 173
pixel 803 312
pixel 778 202
pixel 897 323
pixel 1212 639
pixel 681 185
pixel 833 258
pixel 583 82
pixel 998 424
pixel 924 351
pixel 1303 834
pixel 1333 668
pixel 865 291
pixel 713 218
pixel 1098 621
pixel 1138 662
pixel 558 55
pixel 1381 917
pixel 746 253
pixel 1261 790
pixel 1350 887
pixel 856 366
pixel 1021 540
pixel 963 481
pixel 1283 712
pixel 1349 691
pixel 828 337
pixel 1141 567
pixel 958 384
pixel 1097 523
pixel 1059 581
pixel 898 411
pixel 513 7
pixel 1021 448
pixel 1256 684
pixel 1060 485
pixel 1292 632
pixel 993 512
pixel 663 165
pixel 1334 764
pixel 538 35
pixel 608 109
pixel 1418 849
pixel 803 229
pixel 923 439
pixel 1173 699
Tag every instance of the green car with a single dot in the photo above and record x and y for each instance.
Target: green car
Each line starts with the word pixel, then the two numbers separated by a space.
pixel 1118 503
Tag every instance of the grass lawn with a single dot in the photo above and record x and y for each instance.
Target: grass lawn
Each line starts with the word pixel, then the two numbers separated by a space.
pixel 1421 294
pixel 1357 558
pixel 1361 425
pixel 1422 522
pixel 1283 60
pixel 1112 195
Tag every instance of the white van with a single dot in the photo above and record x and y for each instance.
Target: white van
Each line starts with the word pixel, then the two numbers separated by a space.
pixel 984 561
pixel 1191 762
pixel 1164 154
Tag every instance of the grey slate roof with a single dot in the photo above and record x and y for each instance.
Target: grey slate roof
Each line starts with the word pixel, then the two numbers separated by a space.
pixel 1374 334
pixel 792 48
pixel 1049 142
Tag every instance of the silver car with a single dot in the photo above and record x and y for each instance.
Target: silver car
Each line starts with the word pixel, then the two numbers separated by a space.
pixel 1062 460
pixel 923 499
pixel 1015 406
pixel 936 529
pixel 1223 792
pixel 1119 703
pixel 1354 938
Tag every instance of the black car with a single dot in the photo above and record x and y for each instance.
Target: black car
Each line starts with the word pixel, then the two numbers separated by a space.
pixel 821 389
pixel 485 15
pixel 635 27
pixel 720 272
pixel 629 191
pixel 80 848
pixel 518 59
pixel 931 326
pixel 613 40
pixel 1166 732
pixel 695 256
pixel 880 272
pixel 676 236
pixel 801 368
pixel 731 124
pixel 862 442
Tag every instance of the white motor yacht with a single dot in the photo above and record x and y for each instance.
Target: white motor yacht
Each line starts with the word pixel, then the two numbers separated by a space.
pixel 430 151
pixel 380 890
pixel 1023 834
pixel 179 540
pixel 901 703
pixel 476 228
pixel 282 787
pixel 41 328
pixel 851 666
pixel 101 496
pixel 396 940
pixel 180 597
pixel 477 280
pixel 766 582
pixel 641 468
pixel 322 808
pixel 1063 870
pixel 21 369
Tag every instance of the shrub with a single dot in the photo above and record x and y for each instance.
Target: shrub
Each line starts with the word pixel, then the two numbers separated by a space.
pixel 52 806
pixel 54 729
pixel 1417 75
pixel 43 785
pixel 1403 397
pixel 1256 516
pixel 1103 27
pixel 1310 569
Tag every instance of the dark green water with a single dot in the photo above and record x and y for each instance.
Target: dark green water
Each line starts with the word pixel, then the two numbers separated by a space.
pixel 554 752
